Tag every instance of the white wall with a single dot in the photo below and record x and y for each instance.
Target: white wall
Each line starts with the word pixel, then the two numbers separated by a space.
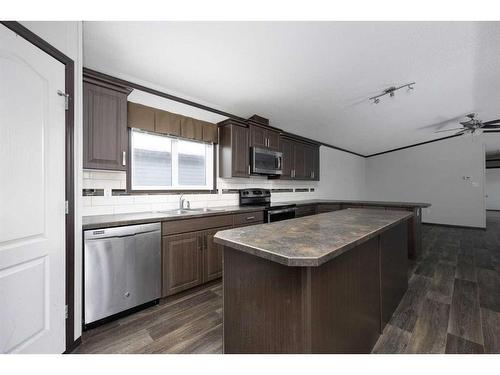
pixel 67 38
pixel 434 173
pixel 342 175
pixel 493 189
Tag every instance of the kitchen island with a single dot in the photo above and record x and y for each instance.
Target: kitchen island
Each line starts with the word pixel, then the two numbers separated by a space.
pixel 326 283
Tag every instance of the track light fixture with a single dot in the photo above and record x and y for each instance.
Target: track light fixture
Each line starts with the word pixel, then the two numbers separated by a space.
pixel 391 91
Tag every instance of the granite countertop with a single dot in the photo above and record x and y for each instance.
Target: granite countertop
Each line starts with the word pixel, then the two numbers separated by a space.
pixel 312 240
pixel 107 221
pixel 368 203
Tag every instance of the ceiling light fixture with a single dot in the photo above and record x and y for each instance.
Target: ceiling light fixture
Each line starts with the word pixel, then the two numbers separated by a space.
pixel 391 91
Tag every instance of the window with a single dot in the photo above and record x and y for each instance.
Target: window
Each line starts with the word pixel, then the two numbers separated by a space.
pixel 167 163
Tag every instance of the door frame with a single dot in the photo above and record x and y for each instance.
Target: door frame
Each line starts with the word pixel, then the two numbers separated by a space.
pixel 69 69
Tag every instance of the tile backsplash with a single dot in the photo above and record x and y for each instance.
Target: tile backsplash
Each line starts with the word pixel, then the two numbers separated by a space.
pixel 103 194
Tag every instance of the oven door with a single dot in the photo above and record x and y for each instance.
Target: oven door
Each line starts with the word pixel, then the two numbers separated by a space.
pixel 266 161
pixel 281 214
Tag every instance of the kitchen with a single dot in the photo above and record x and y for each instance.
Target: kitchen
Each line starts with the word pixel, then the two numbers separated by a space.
pixel 259 228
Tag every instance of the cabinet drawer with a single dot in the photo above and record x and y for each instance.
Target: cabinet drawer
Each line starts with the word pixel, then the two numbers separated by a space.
pixel 327 207
pixel 305 210
pixel 248 217
pixel 200 223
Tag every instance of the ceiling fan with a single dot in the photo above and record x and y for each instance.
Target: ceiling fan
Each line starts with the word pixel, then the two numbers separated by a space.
pixel 472 124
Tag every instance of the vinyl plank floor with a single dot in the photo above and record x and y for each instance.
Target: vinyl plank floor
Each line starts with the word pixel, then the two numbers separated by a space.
pixel 491 330
pixel 465 317
pixel 458 345
pixel 429 334
pixel 489 288
pixel 466 269
pixel 394 340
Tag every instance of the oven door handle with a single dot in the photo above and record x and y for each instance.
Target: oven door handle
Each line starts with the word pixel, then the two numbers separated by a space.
pixel 285 210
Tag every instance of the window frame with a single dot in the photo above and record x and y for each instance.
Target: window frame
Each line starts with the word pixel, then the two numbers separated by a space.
pixel 129 189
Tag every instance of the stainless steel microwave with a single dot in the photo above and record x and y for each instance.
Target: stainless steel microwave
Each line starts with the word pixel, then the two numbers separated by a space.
pixel 265 161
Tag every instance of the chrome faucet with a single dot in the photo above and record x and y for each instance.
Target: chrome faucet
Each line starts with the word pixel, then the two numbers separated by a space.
pixel 182 201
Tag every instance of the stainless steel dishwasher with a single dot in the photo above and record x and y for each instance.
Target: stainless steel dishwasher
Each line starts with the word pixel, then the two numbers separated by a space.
pixel 121 269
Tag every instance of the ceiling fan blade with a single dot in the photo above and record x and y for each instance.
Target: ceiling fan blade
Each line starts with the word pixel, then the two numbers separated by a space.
pixel 490 126
pixel 491 131
pixel 442 124
pixel 491 122
pixel 448 130
pixel 460 132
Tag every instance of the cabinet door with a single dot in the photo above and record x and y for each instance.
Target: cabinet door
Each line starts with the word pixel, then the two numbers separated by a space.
pixel 181 262
pixel 240 152
pixel 105 136
pixel 258 136
pixel 212 265
pixel 316 163
pixel 273 140
pixel 299 161
pixel 309 162
pixel 286 147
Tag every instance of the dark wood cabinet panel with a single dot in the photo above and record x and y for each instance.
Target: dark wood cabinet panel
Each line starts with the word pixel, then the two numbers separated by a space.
pixel 212 256
pixel 300 160
pixel 264 137
pixel 209 131
pixel 181 262
pixel 299 163
pixel 191 128
pixel 234 150
pixel 196 224
pixel 393 270
pixel 258 136
pixel 328 207
pixel 141 117
pixel 248 218
pixel 286 147
pixel 273 140
pixel 346 301
pixel 307 210
pixel 105 136
pixel 167 123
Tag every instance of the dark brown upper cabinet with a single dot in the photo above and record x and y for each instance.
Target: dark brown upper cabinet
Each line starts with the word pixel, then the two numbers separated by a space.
pixel 300 160
pixel 141 117
pixel 168 123
pixel 105 137
pixel 264 137
pixel 234 149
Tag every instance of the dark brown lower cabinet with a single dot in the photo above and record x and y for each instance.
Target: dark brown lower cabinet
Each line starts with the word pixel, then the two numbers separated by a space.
pixel 189 260
pixel 212 256
pixel 328 207
pixel 181 262
pixel 306 210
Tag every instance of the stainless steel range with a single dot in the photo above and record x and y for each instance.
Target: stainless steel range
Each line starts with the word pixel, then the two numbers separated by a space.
pixel 262 198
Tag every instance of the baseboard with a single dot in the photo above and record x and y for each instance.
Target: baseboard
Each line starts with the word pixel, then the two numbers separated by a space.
pixel 455 226
pixel 73 345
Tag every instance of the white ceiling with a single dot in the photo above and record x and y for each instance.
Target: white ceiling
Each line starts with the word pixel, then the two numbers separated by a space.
pixel 313 78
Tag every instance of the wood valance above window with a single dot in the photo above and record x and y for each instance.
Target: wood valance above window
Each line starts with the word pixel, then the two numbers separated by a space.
pixel 164 122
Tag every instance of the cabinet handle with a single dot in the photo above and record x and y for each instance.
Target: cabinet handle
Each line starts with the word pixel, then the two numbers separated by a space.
pixel 124 158
pixel 248 168
pixel 250 217
pixel 312 174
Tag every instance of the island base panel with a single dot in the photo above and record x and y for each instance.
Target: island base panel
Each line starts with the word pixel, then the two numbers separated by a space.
pixel 341 306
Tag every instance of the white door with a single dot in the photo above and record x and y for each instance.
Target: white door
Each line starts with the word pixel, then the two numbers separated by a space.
pixel 32 181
